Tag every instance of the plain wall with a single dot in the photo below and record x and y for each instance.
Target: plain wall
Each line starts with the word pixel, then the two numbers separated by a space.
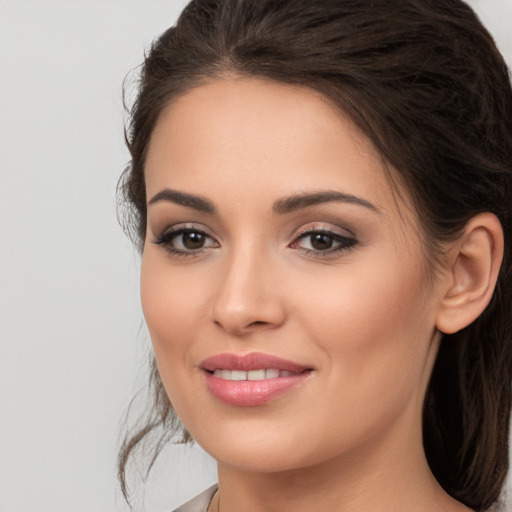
pixel 72 353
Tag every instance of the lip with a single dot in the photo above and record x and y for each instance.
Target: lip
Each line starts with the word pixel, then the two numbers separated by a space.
pixel 251 361
pixel 251 393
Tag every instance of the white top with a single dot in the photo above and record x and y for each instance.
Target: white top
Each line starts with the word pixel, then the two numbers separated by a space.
pixel 200 503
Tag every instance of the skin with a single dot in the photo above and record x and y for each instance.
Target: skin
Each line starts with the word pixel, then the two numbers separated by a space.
pixel 364 318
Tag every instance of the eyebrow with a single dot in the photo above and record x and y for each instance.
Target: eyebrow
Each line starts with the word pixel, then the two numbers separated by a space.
pixel 182 198
pixel 300 201
pixel 281 206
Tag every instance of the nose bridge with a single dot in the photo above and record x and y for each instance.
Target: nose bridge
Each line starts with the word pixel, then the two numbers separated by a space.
pixel 247 297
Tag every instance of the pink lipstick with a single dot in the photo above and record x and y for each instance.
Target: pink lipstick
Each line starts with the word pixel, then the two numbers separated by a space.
pixel 252 379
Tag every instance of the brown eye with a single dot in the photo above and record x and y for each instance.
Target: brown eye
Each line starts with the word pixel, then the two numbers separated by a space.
pixel 193 240
pixel 321 242
pixel 186 241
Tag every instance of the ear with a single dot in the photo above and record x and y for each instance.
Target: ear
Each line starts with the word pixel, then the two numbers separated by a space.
pixel 475 260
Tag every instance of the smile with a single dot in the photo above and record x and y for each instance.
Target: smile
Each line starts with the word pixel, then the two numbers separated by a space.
pixel 253 379
pixel 263 374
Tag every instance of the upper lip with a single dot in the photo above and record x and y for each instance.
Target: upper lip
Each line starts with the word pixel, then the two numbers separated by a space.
pixel 251 361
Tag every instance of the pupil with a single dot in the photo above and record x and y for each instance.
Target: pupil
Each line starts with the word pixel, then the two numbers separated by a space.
pixel 193 240
pixel 321 242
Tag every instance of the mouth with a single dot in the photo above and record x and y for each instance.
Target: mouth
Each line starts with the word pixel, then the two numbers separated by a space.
pixel 251 379
pixel 252 362
pixel 262 374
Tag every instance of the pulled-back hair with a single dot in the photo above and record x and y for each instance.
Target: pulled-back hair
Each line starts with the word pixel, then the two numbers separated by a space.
pixel 424 81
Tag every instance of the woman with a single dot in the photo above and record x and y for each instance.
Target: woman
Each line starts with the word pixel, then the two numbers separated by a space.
pixel 321 194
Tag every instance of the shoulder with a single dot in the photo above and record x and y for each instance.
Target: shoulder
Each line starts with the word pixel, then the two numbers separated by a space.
pixel 200 502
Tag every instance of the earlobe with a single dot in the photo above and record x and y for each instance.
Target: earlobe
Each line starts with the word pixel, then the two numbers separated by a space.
pixel 475 262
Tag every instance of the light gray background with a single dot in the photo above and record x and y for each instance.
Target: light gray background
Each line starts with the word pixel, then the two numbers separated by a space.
pixel 71 355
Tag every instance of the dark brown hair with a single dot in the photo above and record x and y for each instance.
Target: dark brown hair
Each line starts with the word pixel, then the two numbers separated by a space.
pixel 424 81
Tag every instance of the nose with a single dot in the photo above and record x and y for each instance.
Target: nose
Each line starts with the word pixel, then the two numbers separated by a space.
pixel 248 297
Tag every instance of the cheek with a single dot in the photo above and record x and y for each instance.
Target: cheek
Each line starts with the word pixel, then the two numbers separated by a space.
pixel 172 304
pixel 373 330
pixel 373 325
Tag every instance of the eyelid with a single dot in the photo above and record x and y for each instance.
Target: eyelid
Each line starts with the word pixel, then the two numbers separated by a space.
pixel 324 228
pixel 345 241
pixel 184 226
pixel 165 237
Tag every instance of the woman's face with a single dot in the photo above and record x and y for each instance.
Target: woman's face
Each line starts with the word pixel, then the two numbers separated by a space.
pixel 277 254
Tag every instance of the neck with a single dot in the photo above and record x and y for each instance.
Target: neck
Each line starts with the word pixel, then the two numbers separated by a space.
pixel 377 477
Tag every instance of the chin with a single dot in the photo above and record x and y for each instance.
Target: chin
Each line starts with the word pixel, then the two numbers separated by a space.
pixel 252 447
pixel 258 459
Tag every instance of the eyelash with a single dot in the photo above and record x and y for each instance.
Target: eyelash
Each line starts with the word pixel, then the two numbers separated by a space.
pixel 344 242
pixel 166 238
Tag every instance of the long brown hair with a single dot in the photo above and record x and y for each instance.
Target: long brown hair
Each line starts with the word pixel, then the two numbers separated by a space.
pixel 424 81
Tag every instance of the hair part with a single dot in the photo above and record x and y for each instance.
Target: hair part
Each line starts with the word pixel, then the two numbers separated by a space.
pixel 424 81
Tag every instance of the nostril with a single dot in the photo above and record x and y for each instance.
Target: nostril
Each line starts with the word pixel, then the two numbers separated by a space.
pixel 255 324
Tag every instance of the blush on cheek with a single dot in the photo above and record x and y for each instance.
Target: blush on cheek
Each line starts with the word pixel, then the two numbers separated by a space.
pixel 372 323
pixel 166 301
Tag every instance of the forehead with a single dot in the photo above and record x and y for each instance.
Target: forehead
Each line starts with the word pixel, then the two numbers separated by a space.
pixel 260 139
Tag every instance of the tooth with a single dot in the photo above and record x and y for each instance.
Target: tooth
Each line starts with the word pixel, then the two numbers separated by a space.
pixel 238 375
pixel 271 373
pixel 256 375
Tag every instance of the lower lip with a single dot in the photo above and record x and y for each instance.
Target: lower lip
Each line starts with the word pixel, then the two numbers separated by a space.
pixel 251 393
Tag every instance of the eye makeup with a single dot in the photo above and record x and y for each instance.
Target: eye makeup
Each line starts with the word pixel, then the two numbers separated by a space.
pixel 185 241
pixel 312 240
pixel 322 242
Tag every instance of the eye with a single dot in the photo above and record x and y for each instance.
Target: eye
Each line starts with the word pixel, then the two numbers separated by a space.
pixel 322 242
pixel 185 241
